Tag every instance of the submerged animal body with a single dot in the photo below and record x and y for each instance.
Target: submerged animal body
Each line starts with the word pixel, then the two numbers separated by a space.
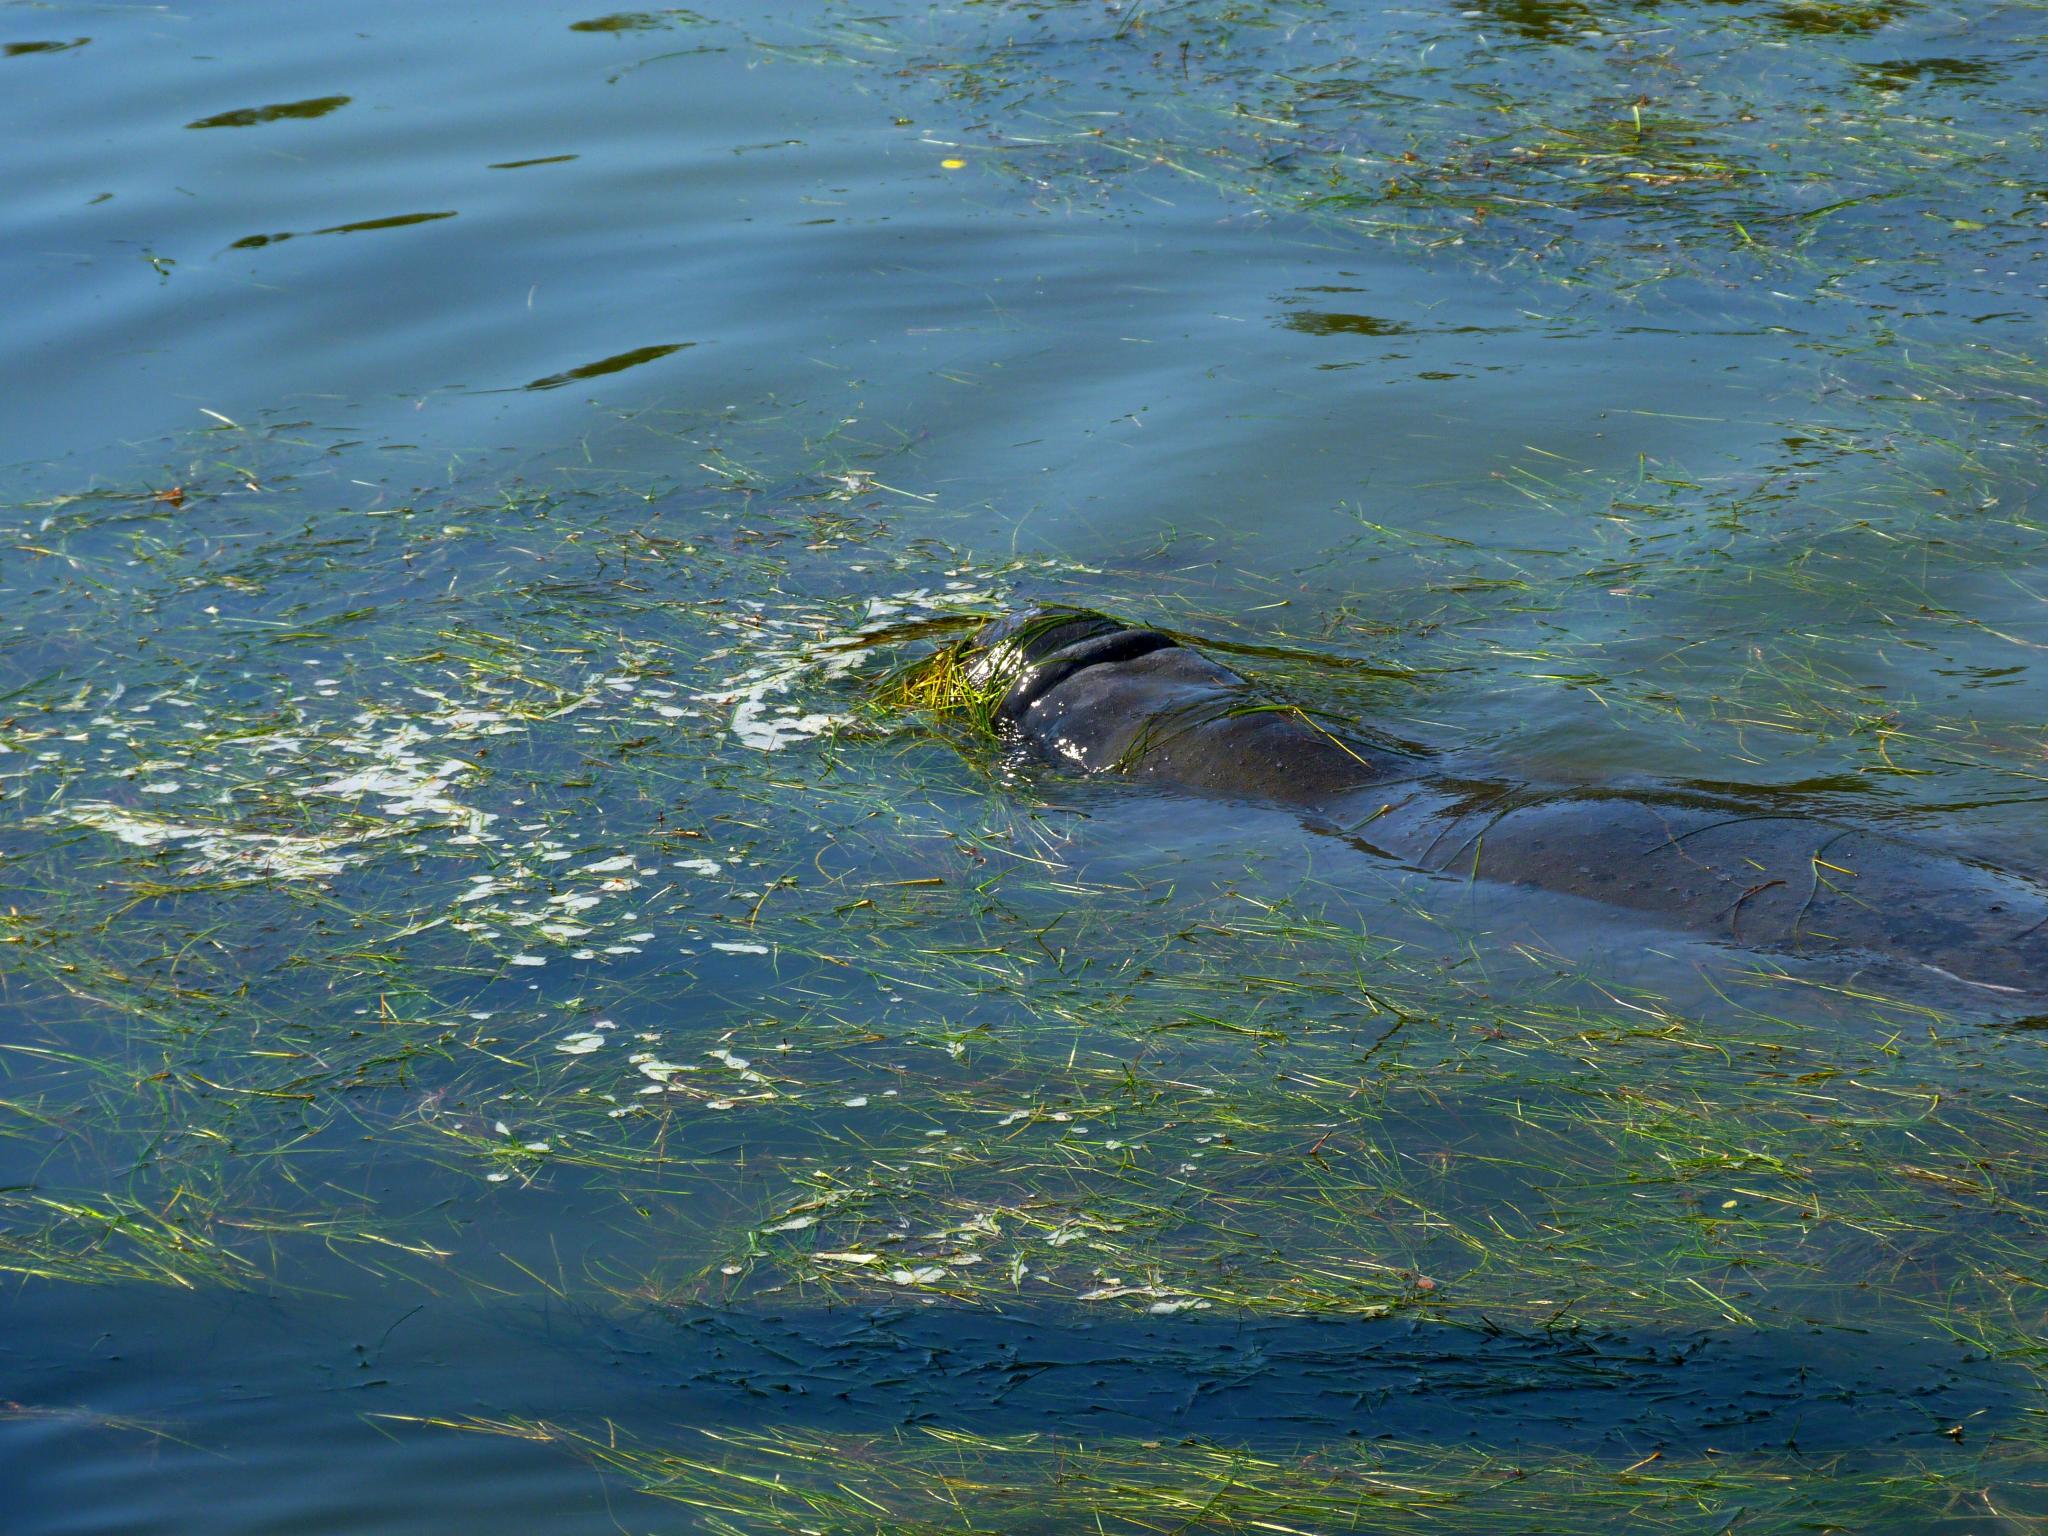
pixel 1093 695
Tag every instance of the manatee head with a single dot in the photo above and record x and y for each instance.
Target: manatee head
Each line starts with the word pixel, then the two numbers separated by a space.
pixel 1097 695
pixel 1022 655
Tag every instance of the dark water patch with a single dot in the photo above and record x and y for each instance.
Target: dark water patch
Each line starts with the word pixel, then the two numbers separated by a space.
pixel 1838 18
pixel 284 111
pixel 1543 21
pixel 1901 74
pixel 23 50
pixel 394 221
pixel 360 226
pixel 619 362
pixel 1314 322
pixel 520 165
pixel 636 21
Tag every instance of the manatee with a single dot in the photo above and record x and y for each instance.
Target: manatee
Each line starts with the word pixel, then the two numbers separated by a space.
pixel 1092 695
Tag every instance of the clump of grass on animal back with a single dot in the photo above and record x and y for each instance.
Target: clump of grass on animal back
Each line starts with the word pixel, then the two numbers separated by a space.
pixel 944 687
pixel 964 683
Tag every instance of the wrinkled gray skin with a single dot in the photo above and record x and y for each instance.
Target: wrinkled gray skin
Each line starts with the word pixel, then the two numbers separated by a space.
pixel 1092 695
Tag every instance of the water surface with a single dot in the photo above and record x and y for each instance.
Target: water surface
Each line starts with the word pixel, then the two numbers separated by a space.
pixel 497 1026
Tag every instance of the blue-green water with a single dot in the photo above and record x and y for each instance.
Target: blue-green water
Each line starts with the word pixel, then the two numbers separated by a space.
pixel 494 1023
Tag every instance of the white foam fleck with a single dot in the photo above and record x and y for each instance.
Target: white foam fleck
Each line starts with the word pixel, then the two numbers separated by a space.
pixel 408 783
pixel 737 1063
pixel 224 852
pixel 760 718
pixel 1167 1303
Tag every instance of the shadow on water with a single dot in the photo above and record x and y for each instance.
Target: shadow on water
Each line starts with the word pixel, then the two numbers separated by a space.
pixel 345 1371
pixel 1281 1385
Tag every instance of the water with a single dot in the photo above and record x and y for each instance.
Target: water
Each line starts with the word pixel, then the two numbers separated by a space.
pixel 454 1075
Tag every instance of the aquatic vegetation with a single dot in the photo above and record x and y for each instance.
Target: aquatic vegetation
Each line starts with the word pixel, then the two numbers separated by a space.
pixel 937 1479
pixel 580 875
pixel 1602 151
pixel 540 898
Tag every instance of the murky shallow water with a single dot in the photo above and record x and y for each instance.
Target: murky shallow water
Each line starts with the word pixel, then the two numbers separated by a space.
pixel 454 1074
